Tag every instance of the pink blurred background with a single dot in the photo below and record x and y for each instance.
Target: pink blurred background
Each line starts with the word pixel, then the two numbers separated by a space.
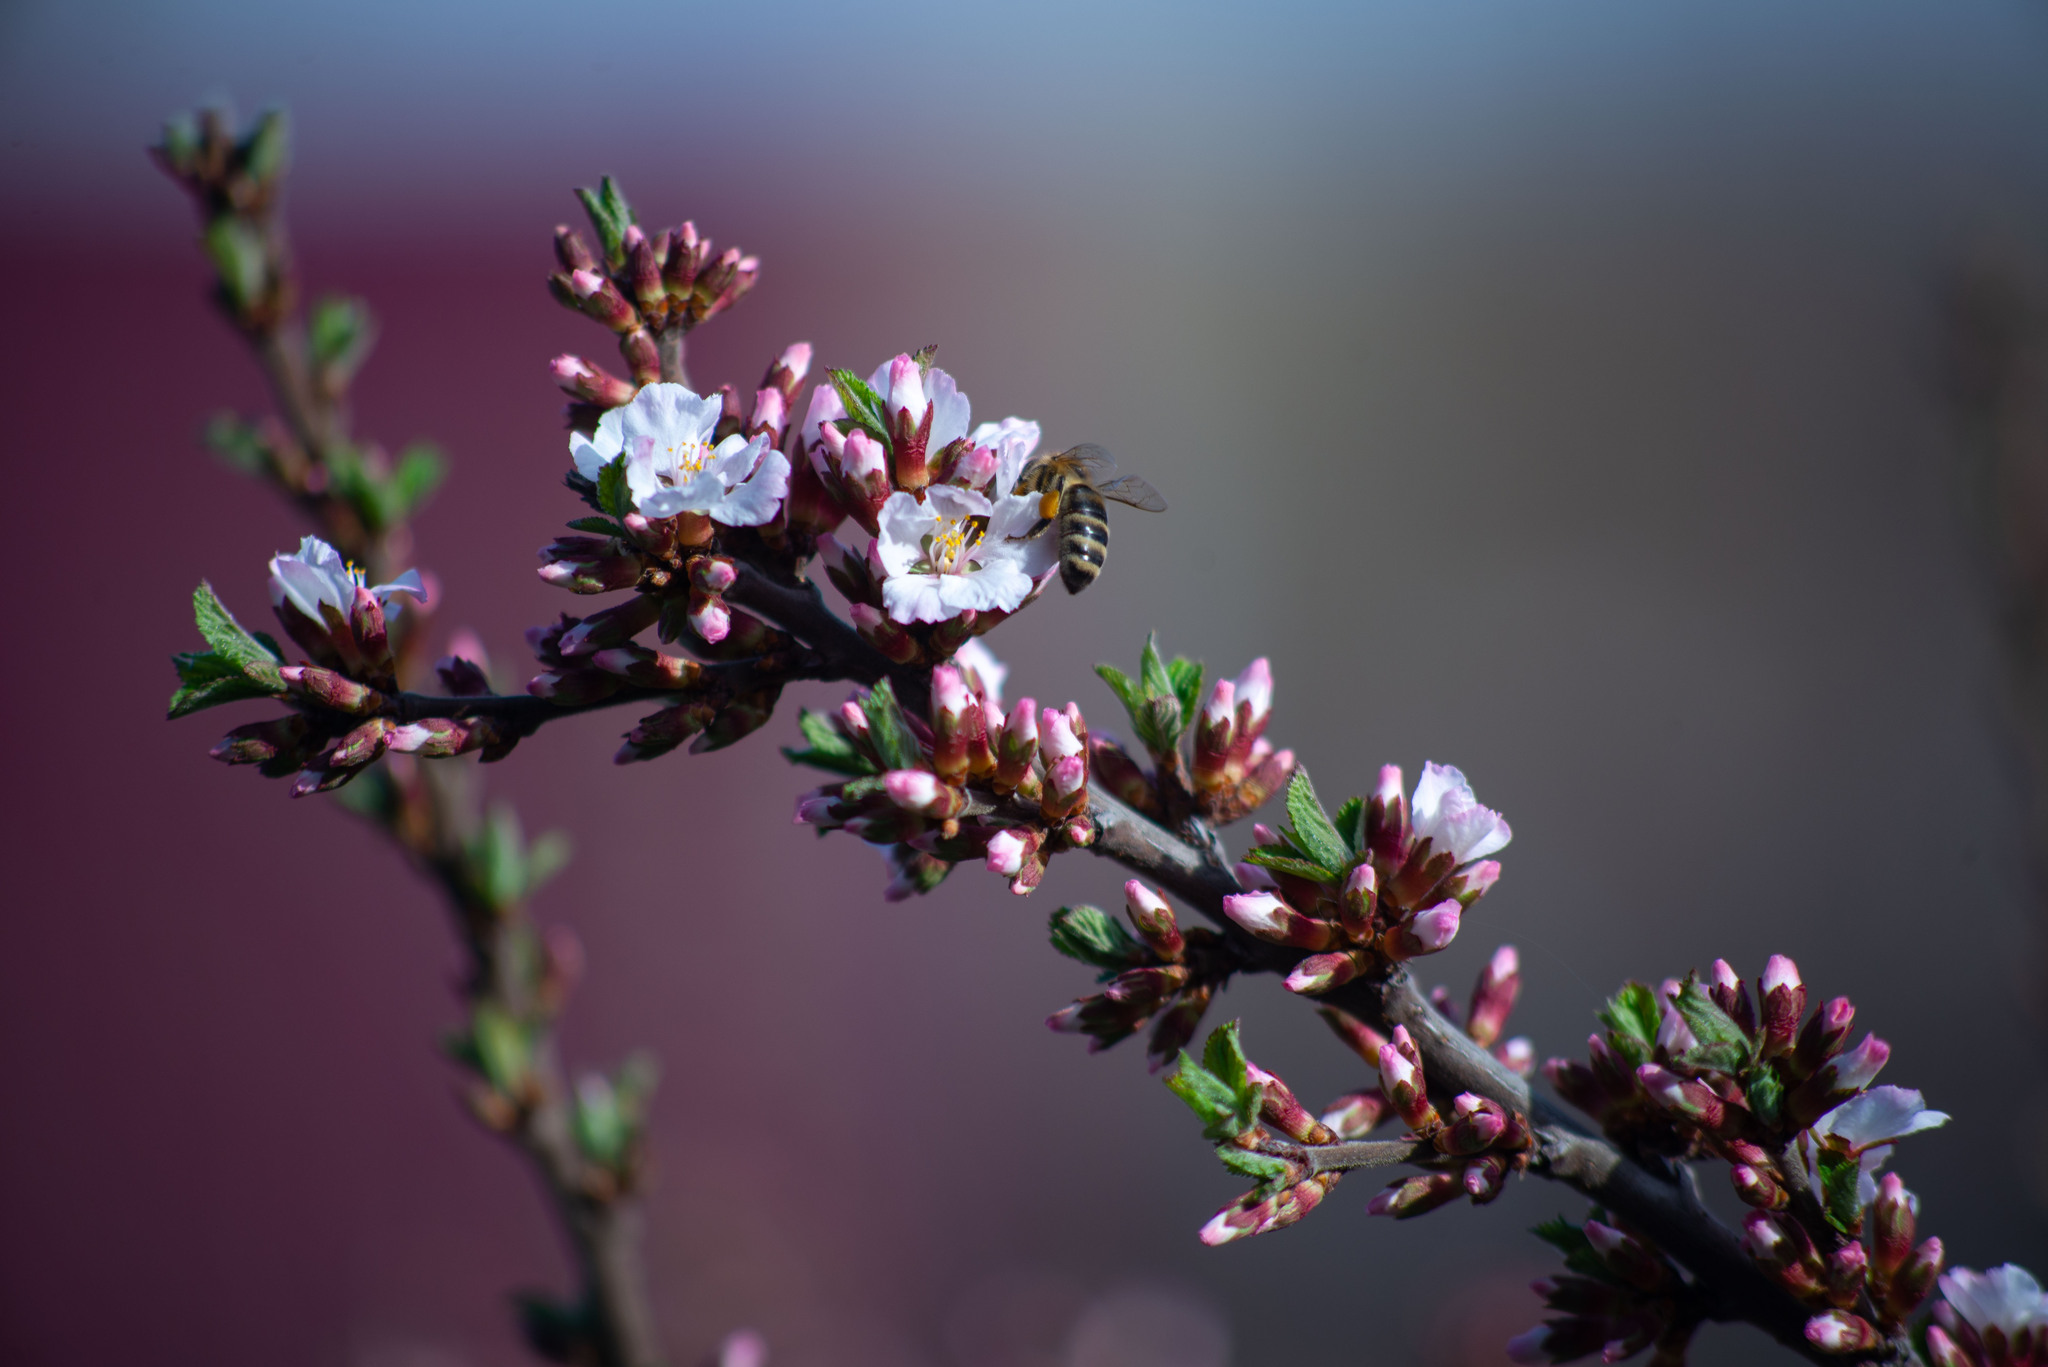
pixel 1552 391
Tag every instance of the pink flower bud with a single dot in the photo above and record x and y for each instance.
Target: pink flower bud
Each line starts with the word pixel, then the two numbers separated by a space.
pixel 896 644
pixel 1428 932
pixel 1252 878
pixel 1518 1054
pixel 1417 1195
pixel 1361 891
pixel 1154 920
pixel 1056 738
pixel 582 380
pixel 1269 918
pixel 1356 1114
pixel 1493 996
pixel 1386 817
pixel 1625 1256
pixel 1892 1225
pixel 976 467
pixel 1839 1331
pixel 1009 849
pixel 816 808
pixel 1016 746
pixel 1066 787
pixel 1684 1097
pixel 1758 1188
pixel 1784 1002
pixel 1731 994
pixel 1215 730
pixel 1321 972
pixel 709 616
pixel 922 793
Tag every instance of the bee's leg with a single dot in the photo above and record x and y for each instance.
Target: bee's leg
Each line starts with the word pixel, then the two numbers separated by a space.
pixel 1036 528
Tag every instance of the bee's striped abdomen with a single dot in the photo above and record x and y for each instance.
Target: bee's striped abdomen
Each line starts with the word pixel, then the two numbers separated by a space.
pixel 1084 536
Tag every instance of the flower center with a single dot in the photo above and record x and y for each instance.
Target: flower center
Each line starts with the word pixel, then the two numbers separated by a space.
pixel 687 458
pixel 950 542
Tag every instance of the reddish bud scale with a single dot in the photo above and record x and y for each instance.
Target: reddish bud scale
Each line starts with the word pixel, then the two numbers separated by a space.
pixel 1427 932
pixel 1267 777
pixel 951 703
pixel 1359 1037
pixel 1913 1282
pixel 1176 1026
pixel 1485 1178
pixel 1687 1098
pixel 1758 1188
pixel 1281 1109
pixel 1843 1279
pixel 813 505
pixel 572 251
pixel 1825 1034
pixel 262 741
pixel 1154 921
pixel 1247 1217
pixel 642 355
pixel 592 384
pixel 1321 972
pixel 1417 1195
pixel 1419 874
pixel 1066 787
pixel 360 746
pixel 1838 1331
pixel 603 574
pixel 1123 776
pixel 1145 988
pixel 1476 1123
pixel 1892 1226
pixel 1627 1257
pixel 1356 901
pixel 896 644
pixel 1215 728
pixel 1386 818
pixel 614 626
pixel 1402 1082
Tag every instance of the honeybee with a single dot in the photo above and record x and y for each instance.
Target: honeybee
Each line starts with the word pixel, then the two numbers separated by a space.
pixel 1071 487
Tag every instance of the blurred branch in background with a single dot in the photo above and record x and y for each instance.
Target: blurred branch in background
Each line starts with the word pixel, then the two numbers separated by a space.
pixel 1997 374
pixel 585 1145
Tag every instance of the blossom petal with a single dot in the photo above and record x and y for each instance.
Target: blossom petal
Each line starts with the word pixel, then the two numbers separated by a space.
pixel 1014 440
pixel 1878 1116
pixel 2006 1298
pixel 1014 515
pixel 589 456
pixel 754 502
pixel 1445 811
pixel 733 459
pixel 903 524
pixel 409 582
pixel 669 413
pixel 949 409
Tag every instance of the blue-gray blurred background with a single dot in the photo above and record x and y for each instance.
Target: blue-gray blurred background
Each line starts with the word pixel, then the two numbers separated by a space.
pixel 1557 390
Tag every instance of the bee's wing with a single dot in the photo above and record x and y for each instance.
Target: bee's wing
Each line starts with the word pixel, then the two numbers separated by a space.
pixel 1134 491
pixel 1089 461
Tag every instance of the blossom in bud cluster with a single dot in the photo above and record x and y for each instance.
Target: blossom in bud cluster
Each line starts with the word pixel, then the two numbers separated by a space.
pixel 1990 1319
pixel 956 551
pixel 1444 813
pixel 324 605
pixel 673 464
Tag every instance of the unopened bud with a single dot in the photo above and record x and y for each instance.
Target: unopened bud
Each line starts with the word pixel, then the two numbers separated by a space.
pixel 1066 787
pixel 1839 1331
pixel 331 690
pixel 1355 1114
pixel 1154 920
pixel 1684 1097
pixel 1361 890
pixel 1321 972
pixel 1783 996
pixel 896 644
pixel 922 793
pixel 1268 917
pixel 1426 933
pixel 1386 817
pixel 1493 997
pixel 1417 1195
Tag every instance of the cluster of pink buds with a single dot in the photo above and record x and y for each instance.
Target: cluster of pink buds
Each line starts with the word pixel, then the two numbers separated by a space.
pixel 909 780
pixel 648 290
pixel 1483 1140
pixel 1166 975
pixel 1989 1319
pixel 1621 1296
pixel 1385 881
pixel 1885 1280
pixel 1234 769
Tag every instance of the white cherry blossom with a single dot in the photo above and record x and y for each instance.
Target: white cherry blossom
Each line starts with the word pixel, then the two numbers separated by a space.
pixel 316 573
pixel 1444 812
pixel 2007 1298
pixel 953 552
pixel 1881 1115
pixel 672 466
pixel 1014 440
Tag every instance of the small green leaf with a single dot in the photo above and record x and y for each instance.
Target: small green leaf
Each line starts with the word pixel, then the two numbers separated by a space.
pixel 1187 684
pixel 1223 1055
pixel 894 741
pixel 239 258
pixel 1087 934
pixel 602 1130
pixel 267 148
pixel 829 749
pixel 339 333
pixel 864 407
pixel 545 857
pixel 1839 1179
pixel 238 444
pixel 1632 1017
pixel 1268 1170
pixel 1225 1111
pixel 1350 824
pixel 1570 1240
pixel 232 641
pixel 610 215
pixel 1125 688
pixel 1766 1096
pixel 209 679
pixel 1152 675
pixel 596 526
pixel 1722 1044
pixel 503 1049
pixel 1313 832
pixel 613 495
pixel 1266 858
pixel 421 468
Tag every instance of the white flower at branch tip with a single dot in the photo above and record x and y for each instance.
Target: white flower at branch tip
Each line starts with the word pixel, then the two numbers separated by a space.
pixel 672 466
pixel 2006 1298
pixel 1878 1116
pixel 953 552
pixel 316 573
pixel 1444 812
pixel 900 387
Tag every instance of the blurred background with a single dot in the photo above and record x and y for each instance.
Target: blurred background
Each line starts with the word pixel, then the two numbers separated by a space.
pixel 1568 392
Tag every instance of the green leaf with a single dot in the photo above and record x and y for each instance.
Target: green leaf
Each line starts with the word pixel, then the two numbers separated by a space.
pixel 829 749
pixel 239 258
pixel 1766 1096
pixel 1268 1170
pixel 890 730
pixel 596 526
pixel 1223 1055
pixel 339 333
pixel 1087 934
pixel 1125 688
pixel 863 406
pixel 545 857
pixel 1722 1044
pixel 232 641
pixel 1187 684
pixel 602 1130
pixel 503 1048
pixel 1839 1174
pixel 1350 824
pixel 1570 1240
pixel 613 495
pixel 209 679
pixel 421 468
pixel 1152 675
pixel 610 215
pixel 267 148
pixel 1265 857
pixel 1631 1017
pixel 1313 832
pixel 1225 1111
pixel 238 444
